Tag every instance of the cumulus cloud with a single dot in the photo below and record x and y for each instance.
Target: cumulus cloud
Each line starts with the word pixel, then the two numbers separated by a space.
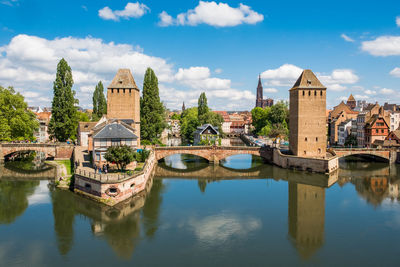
pixel 347 38
pixel 386 91
pixel 370 92
pixel 383 46
pixel 398 21
pixel 361 97
pixel 287 74
pixel 29 64
pixel 131 10
pixel 271 90
pixel 214 14
pixel 395 72
pixel 218 71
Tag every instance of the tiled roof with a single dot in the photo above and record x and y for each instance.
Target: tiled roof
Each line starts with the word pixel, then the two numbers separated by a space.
pixel 123 79
pixel 351 98
pixel 86 126
pixel 308 80
pixel 115 130
pixel 202 128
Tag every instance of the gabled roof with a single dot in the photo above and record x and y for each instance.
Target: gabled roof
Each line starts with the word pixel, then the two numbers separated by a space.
pixel 308 80
pixel 123 79
pixel 201 129
pixel 115 130
pixel 373 119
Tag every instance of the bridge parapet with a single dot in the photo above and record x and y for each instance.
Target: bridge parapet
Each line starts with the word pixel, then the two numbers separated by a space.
pixel 56 150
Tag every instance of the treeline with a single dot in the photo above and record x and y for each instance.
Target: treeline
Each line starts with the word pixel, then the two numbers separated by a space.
pixel 271 121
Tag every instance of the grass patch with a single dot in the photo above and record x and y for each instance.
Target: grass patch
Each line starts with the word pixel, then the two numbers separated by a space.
pixel 67 164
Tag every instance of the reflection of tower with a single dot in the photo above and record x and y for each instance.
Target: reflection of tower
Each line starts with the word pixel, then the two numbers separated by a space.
pixel 306 217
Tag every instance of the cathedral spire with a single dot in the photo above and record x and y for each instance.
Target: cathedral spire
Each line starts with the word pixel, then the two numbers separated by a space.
pixel 183 106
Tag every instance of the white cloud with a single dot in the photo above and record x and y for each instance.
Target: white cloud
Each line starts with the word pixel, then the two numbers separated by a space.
pixel 165 19
pixel 395 72
pixel 362 97
pixel 271 90
pixel 211 13
pixel 383 46
pixel 285 75
pixel 398 21
pixel 347 38
pixel 218 71
pixel 386 91
pixel 29 64
pixel 370 92
pixel 131 10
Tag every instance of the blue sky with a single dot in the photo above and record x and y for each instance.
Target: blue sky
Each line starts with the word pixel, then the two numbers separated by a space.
pixel 195 46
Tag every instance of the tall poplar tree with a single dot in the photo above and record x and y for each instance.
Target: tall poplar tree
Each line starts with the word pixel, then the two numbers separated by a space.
pixel 99 102
pixel 152 117
pixel 64 117
pixel 203 109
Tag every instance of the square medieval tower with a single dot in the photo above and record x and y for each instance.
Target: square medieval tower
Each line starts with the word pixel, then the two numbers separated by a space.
pixel 307 117
pixel 123 100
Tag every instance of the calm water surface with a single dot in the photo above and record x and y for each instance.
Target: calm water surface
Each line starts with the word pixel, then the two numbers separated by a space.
pixel 195 214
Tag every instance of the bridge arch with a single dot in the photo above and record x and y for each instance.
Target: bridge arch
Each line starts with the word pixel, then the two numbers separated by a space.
pixel 379 155
pixel 161 155
pixel 48 154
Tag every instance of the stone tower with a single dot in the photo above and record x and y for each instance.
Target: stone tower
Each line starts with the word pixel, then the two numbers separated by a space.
pixel 307 117
pixel 351 102
pixel 123 100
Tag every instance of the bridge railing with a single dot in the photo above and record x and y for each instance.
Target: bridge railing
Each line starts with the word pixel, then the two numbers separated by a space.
pixel 206 147
pixel 34 144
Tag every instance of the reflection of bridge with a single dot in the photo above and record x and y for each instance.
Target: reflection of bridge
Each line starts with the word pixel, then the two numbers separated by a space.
pixel 385 154
pixel 54 150
pixel 9 173
pixel 211 153
pixel 218 172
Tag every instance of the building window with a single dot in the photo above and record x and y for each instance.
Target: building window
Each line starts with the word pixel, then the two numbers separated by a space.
pixel 321 93
pixel 103 142
pixel 88 186
pixel 319 150
pixel 115 142
pixel 98 156
pixel 303 93
pixel 309 93
pixel 315 93
pixel 305 139
pixel 316 139
pixel 128 142
pixel 305 152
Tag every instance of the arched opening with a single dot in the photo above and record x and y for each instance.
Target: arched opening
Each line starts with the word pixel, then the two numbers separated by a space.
pixel 183 162
pixel 241 161
pixel 362 162
pixel 26 161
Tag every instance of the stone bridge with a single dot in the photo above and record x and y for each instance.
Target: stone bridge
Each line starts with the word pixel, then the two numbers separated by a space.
pixel 379 154
pixel 211 153
pixel 53 150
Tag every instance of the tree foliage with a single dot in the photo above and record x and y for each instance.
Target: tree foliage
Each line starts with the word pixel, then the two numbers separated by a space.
pixel 64 118
pixel 271 121
pixel 189 124
pixel 82 116
pixel 16 121
pixel 120 155
pixel 152 115
pixel 99 102
pixel 351 140
pixel 203 109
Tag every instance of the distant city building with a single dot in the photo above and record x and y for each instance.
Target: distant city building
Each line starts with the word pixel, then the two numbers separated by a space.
pixel 376 128
pixel 344 131
pixel 41 134
pixel 339 114
pixel 394 120
pixel 226 124
pixel 351 102
pixel 260 101
pixel 391 107
pixel 307 117
pixel 84 129
pixel 206 134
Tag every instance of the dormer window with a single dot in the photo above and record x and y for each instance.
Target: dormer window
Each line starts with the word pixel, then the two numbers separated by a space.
pixel 308 82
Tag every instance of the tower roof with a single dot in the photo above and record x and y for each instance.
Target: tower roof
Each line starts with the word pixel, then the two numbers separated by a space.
pixel 123 80
pixel 351 98
pixel 308 80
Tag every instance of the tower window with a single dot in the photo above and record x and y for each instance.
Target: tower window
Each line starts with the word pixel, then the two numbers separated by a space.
pixel 316 139
pixel 309 93
pixel 305 152
pixel 305 139
pixel 303 93
pixel 315 93
pixel 321 93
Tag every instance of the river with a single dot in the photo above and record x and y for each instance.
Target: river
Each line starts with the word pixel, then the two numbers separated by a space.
pixel 199 215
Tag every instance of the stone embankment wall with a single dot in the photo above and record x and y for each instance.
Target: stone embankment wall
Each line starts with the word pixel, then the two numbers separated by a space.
pixel 275 156
pixel 112 191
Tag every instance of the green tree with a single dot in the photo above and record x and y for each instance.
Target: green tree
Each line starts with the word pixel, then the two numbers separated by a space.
pixel 203 109
pixel 82 116
pixel 121 155
pixel 351 140
pixel 152 115
pixel 271 121
pixel 64 117
pixel 16 121
pixel 189 124
pixel 175 116
pixel 99 102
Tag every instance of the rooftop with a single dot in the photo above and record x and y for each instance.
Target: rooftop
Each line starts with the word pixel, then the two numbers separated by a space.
pixel 123 80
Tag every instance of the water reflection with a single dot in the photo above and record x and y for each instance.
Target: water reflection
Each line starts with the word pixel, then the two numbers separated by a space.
pixel 118 225
pixel 14 199
pixel 306 218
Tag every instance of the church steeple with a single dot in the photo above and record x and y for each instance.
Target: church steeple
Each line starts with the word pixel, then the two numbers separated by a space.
pixel 183 107
pixel 259 89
